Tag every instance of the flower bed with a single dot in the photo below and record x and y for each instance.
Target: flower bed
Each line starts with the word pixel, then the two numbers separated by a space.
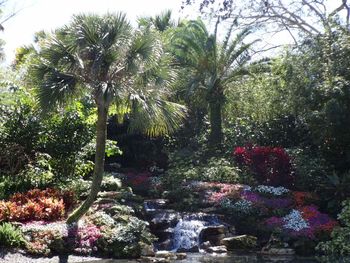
pixel 49 204
pixel 277 209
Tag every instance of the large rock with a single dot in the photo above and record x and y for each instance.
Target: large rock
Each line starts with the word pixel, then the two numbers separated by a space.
pixel 153 260
pixel 239 242
pixel 215 240
pixel 164 220
pixel 181 256
pixel 166 254
pixel 213 230
pixel 193 249
pixel 213 234
pixel 217 250
pixel 147 251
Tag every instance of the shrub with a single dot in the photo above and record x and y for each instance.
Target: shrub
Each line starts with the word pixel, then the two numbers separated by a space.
pixel 310 168
pixel 340 237
pixel 125 240
pixel 42 242
pixel 110 183
pixel 36 204
pixel 270 165
pixel 10 236
pixel 86 238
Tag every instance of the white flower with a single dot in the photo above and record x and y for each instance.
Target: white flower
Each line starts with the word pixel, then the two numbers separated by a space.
pixel 271 190
pixel 247 188
pixel 243 206
pixel 295 221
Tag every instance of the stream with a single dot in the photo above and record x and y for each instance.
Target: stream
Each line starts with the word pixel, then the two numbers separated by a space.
pixel 229 258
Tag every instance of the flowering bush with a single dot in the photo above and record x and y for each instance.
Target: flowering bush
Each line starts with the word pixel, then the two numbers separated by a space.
pixel 270 165
pixel 47 238
pixel 36 204
pixel 303 198
pixel 86 239
pixel 267 197
pixel 275 191
pixel 306 222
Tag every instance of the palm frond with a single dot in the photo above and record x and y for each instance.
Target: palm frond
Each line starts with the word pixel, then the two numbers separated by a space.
pixel 155 117
pixel 53 87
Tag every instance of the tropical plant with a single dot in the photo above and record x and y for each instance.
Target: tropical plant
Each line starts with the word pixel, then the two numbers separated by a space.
pixel 10 236
pixel 115 65
pixel 210 65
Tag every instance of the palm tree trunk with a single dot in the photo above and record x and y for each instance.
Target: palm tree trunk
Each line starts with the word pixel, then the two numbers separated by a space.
pixel 215 119
pixel 101 136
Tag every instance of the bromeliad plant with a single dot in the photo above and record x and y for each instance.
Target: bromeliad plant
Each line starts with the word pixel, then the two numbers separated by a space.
pixel 104 58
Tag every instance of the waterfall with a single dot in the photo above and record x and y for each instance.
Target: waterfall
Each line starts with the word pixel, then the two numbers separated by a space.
pixel 175 230
pixel 186 234
pixel 187 230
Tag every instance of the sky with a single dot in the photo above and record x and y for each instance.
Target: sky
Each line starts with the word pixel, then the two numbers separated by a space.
pixel 36 15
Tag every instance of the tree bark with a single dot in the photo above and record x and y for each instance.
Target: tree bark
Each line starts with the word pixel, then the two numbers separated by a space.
pixel 215 119
pixel 101 136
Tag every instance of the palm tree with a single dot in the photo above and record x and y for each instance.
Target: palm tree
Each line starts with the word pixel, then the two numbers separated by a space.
pixel 161 22
pixel 210 65
pixel 104 57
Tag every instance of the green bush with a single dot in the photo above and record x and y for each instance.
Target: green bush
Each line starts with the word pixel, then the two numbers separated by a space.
pixel 340 237
pixel 10 236
pixel 126 240
pixel 110 183
pixel 311 169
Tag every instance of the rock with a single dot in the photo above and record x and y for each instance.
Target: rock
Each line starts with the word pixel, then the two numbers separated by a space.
pixel 109 194
pixel 164 235
pixel 164 220
pixel 165 254
pixel 154 204
pixel 232 230
pixel 214 234
pixel 147 250
pixel 101 201
pixel 215 240
pixel 209 210
pixel 165 245
pixel 217 249
pixel 278 251
pixel 192 249
pixel 205 245
pixel 181 256
pixel 153 260
pixel 239 242
pixel 213 230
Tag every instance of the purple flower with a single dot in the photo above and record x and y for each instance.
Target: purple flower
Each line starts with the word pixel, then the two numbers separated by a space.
pixel 252 197
pixel 277 203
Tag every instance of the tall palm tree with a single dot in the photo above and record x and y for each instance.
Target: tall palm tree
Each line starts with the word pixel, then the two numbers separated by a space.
pixel 104 57
pixel 210 65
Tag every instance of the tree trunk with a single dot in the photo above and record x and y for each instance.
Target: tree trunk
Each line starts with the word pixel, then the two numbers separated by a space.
pixel 101 136
pixel 215 118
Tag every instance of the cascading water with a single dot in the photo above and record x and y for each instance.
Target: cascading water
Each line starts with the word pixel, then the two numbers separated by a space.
pixel 177 231
pixel 187 230
pixel 186 234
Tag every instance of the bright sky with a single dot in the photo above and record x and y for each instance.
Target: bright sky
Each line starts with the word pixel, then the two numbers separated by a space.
pixel 50 14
